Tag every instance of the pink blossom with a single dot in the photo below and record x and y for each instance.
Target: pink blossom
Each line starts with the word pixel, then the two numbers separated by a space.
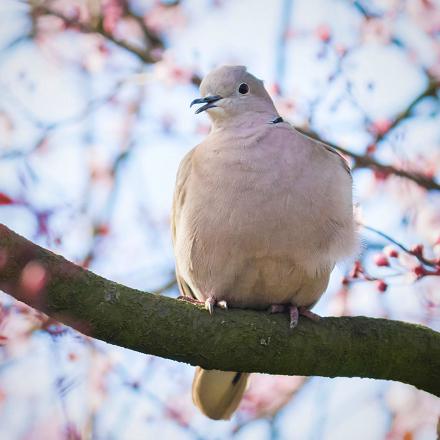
pixel 381 260
pixel 381 126
pixel 161 18
pixel 5 199
pixel 417 250
pixel 33 278
pixel 268 394
pixel 381 285
pixel 323 32
pixel 371 148
pixel 419 271
pixel 390 251
pixel 112 13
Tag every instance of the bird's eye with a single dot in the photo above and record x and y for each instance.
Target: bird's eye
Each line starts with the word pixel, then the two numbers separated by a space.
pixel 243 88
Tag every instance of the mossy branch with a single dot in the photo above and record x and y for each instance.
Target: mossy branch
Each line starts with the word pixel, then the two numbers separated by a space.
pixel 239 340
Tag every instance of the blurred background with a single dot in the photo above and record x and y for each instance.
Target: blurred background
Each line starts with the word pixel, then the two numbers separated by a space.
pixel 94 119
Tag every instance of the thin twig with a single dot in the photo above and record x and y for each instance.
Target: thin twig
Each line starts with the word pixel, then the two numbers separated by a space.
pixel 420 257
pixel 430 90
pixel 365 161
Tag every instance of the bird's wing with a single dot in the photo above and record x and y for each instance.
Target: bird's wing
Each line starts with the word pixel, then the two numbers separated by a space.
pixel 183 174
pixel 327 147
pixel 180 191
pixel 332 150
pixel 184 289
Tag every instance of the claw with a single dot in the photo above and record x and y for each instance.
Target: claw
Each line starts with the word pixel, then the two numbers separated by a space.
pixel 223 304
pixel 293 314
pixel 209 304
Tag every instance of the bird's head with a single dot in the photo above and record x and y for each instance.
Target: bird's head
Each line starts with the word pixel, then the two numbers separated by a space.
pixel 231 92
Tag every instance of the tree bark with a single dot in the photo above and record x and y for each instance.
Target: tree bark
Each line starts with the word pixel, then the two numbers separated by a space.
pixel 238 340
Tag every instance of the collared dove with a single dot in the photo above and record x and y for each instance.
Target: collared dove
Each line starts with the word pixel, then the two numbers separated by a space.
pixel 261 214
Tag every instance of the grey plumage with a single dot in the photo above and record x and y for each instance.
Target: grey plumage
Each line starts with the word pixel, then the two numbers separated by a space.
pixel 261 213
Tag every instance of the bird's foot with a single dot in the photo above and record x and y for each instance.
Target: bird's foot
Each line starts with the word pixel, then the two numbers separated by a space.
pixel 223 305
pixel 293 312
pixel 211 303
pixel 303 311
pixel 294 316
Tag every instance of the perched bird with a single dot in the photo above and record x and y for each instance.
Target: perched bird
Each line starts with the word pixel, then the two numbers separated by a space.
pixel 261 214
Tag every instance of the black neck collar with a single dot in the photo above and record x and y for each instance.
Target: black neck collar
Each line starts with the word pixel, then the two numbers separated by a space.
pixel 277 120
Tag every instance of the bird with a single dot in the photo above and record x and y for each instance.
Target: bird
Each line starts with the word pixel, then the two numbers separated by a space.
pixel 261 214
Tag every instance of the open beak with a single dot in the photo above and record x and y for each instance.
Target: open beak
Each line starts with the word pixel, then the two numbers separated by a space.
pixel 208 101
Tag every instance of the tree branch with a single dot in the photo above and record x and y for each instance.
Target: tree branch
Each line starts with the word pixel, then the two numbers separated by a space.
pixel 143 54
pixel 239 340
pixel 366 161
pixel 430 91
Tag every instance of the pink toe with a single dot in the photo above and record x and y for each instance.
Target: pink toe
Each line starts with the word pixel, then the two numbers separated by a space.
pixel 309 314
pixel 294 315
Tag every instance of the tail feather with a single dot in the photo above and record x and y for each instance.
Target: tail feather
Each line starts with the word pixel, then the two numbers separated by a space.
pixel 218 393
